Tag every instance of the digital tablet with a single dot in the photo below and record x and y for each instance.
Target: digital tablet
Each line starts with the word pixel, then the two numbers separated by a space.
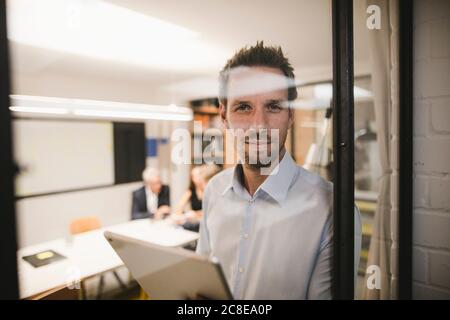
pixel 168 273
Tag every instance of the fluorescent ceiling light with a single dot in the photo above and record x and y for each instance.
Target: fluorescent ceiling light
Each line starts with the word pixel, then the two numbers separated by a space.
pixel 39 110
pixel 132 115
pixel 325 91
pixel 310 104
pixel 98 109
pixel 359 92
pixel 206 86
pixel 105 31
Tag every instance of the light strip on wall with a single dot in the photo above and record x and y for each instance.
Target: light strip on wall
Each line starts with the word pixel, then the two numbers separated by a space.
pixel 39 110
pixel 99 109
pixel 132 115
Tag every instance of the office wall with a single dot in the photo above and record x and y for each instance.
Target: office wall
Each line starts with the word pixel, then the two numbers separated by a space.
pixel 69 85
pixel 62 155
pixel 48 217
pixel 44 218
pixel 431 216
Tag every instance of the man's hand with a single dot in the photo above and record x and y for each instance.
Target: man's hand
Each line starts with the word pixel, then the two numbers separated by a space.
pixel 162 212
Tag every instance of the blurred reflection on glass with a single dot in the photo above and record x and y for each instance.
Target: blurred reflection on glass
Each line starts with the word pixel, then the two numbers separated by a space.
pixel 312 130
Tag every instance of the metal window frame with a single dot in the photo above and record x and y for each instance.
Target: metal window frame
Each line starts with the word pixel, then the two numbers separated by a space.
pixel 8 242
pixel 405 226
pixel 343 151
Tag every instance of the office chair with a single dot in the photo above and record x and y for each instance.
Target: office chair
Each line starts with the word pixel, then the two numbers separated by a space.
pixel 86 224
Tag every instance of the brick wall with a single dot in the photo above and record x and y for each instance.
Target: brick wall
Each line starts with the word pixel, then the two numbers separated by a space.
pixel 431 216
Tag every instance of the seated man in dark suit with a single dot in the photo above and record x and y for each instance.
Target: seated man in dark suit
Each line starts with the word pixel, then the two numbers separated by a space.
pixel 153 199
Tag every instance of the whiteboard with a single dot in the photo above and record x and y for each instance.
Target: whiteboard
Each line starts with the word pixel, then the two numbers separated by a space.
pixel 62 155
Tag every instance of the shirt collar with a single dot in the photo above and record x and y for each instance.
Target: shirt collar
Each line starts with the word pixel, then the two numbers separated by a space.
pixel 276 185
pixel 148 191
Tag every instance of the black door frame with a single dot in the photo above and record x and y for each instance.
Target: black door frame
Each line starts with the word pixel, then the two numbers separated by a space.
pixel 405 173
pixel 343 150
pixel 8 240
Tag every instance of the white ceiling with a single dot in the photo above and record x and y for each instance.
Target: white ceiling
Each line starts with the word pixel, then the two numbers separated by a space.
pixel 301 27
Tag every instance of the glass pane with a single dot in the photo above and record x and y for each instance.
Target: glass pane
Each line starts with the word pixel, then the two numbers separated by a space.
pixel 119 121
pixel 376 100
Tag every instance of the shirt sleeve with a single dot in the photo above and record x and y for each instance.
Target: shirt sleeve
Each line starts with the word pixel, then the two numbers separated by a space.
pixel 203 246
pixel 320 284
pixel 320 281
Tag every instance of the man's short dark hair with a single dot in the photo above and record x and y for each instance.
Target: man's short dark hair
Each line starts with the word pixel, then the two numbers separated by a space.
pixel 258 56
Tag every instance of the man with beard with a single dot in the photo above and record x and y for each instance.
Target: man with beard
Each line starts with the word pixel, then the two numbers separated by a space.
pixel 267 220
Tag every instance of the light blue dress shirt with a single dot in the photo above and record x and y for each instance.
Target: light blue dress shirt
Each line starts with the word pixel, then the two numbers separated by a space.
pixel 276 244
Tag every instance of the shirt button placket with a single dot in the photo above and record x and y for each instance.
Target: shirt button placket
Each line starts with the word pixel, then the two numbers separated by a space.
pixel 243 246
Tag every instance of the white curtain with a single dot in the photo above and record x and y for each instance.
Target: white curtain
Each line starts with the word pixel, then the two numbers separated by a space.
pixel 383 46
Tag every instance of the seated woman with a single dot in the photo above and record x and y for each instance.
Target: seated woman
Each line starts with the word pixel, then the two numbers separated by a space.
pixel 192 198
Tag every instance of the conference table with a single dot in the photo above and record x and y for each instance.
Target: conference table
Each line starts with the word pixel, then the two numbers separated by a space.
pixel 89 254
